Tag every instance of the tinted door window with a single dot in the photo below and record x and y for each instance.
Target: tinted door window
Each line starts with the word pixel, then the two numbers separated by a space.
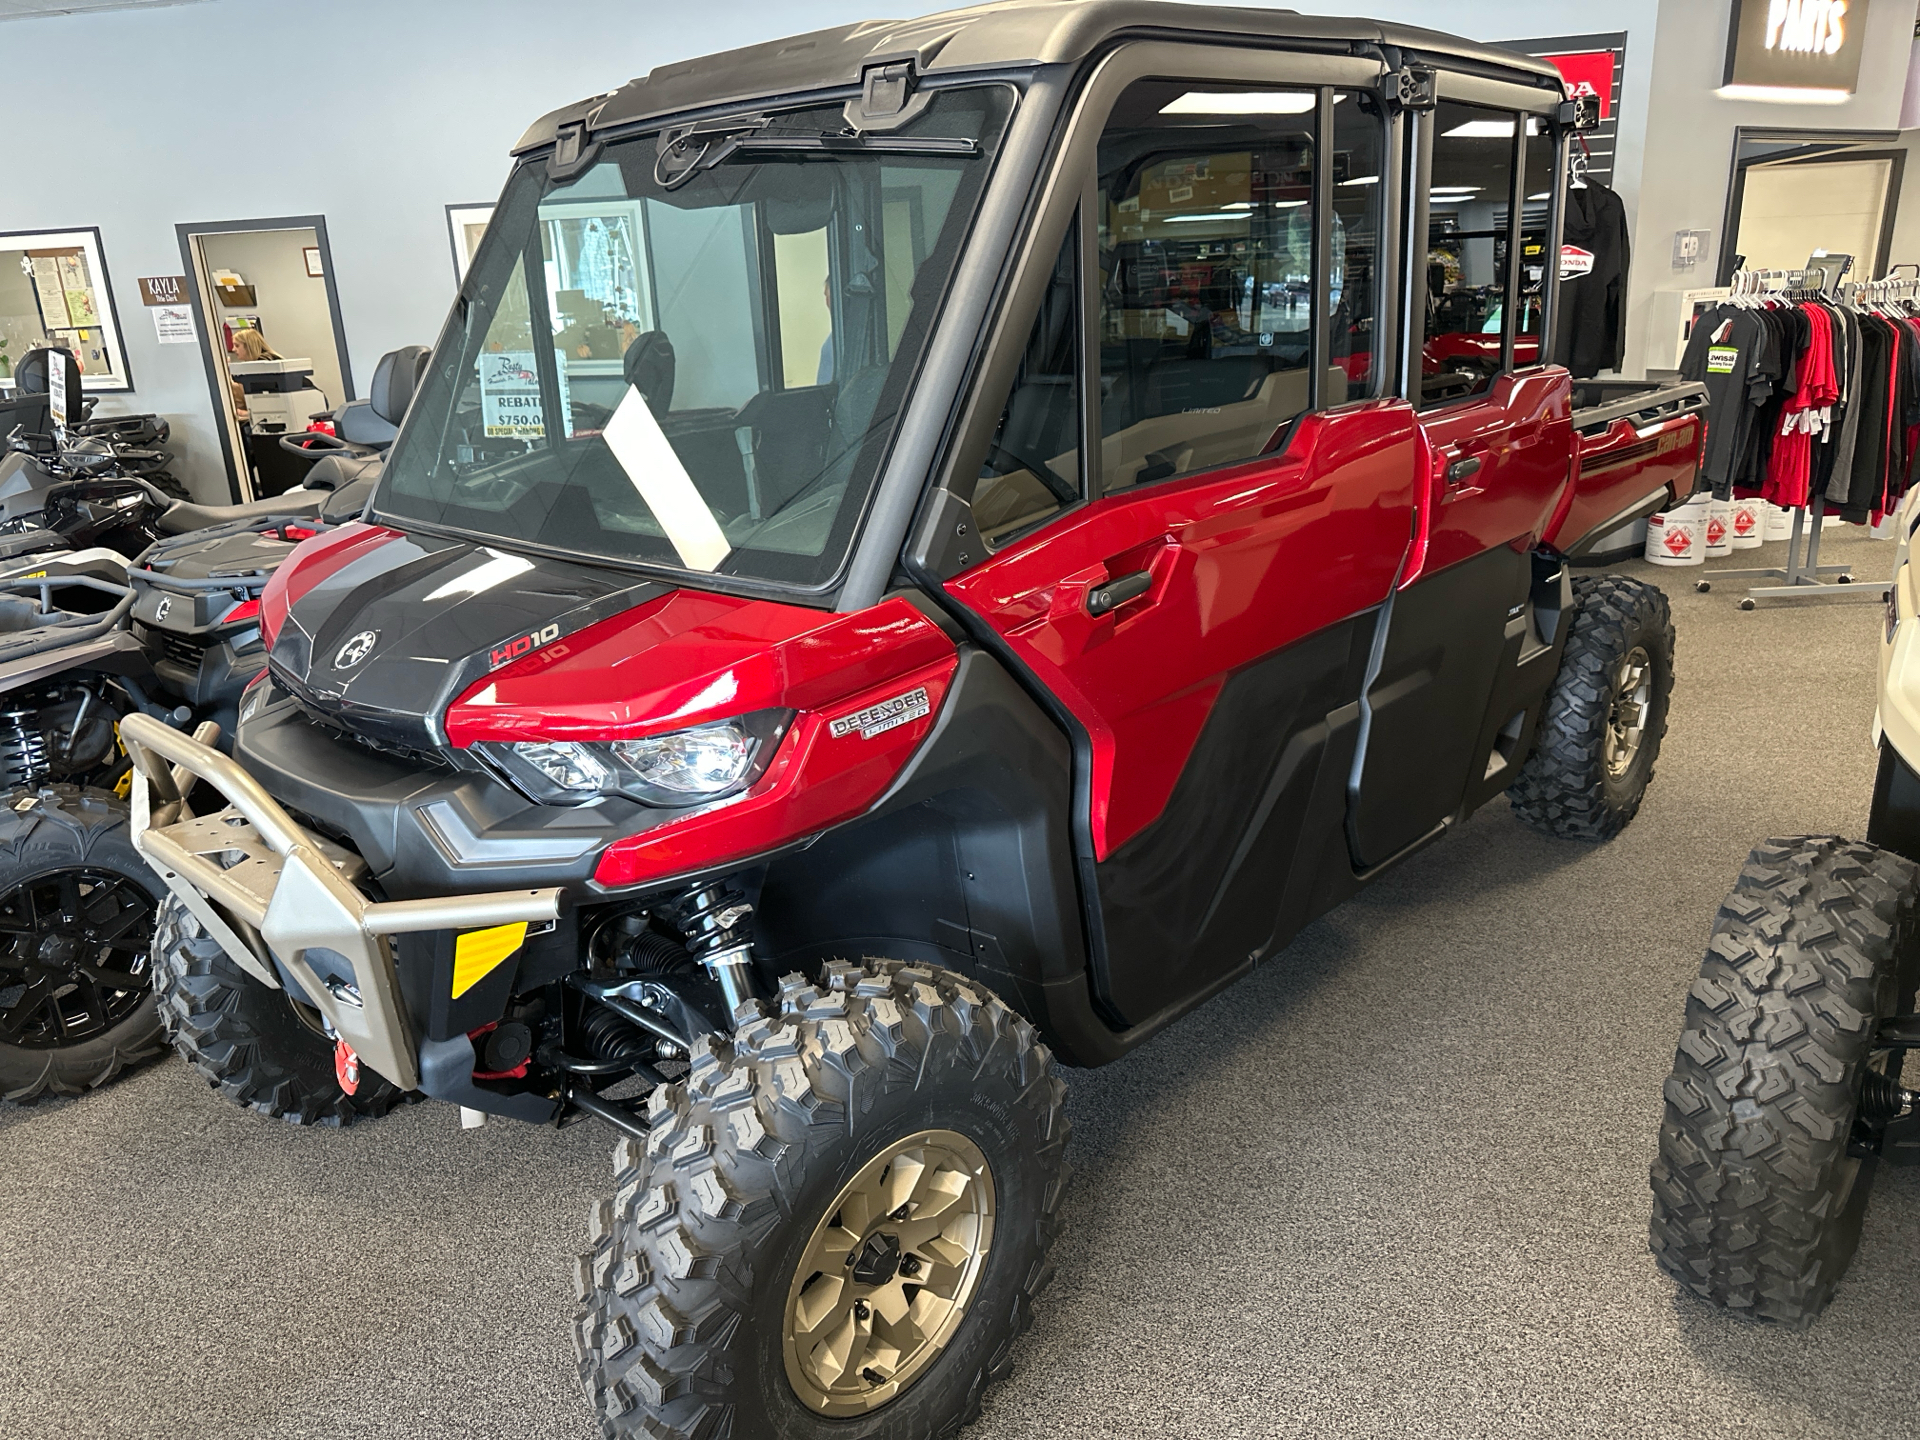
pixel 1470 201
pixel 1032 466
pixel 1537 182
pixel 1357 158
pixel 1206 224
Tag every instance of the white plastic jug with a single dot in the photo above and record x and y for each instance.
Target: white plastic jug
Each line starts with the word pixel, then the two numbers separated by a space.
pixel 1779 522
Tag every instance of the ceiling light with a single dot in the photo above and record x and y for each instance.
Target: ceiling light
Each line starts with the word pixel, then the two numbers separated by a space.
pixel 1217 219
pixel 1242 102
pixel 1481 130
pixel 1784 94
pixel 1362 180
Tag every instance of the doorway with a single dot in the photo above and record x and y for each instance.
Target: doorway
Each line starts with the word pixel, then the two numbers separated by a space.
pixel 1795 194
pixel 275 351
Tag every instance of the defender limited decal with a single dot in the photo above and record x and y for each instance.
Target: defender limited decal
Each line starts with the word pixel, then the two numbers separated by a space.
pixel 880 718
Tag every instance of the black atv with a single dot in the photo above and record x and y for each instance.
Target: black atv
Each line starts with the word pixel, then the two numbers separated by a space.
pixel 86 639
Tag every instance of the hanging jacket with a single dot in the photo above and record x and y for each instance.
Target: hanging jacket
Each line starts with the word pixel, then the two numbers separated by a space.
pixel 1590 332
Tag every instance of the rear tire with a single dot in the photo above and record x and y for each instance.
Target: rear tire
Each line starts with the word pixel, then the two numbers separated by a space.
pixel 712 1244
pixel 1758 1203
pixel 1602 722
pixel 254 1045
pixel 70 880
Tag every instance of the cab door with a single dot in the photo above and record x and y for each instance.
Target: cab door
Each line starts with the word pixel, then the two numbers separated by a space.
pixel 1198 589
pixel 1496 427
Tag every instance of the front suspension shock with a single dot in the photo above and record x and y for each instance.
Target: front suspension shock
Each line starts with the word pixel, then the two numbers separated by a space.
pixel 709 920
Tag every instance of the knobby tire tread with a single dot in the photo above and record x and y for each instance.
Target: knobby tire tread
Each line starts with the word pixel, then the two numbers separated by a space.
pixel 214 1015
pixel 666 1288
pixel 1563 788
pixel 1757 1203
pixel 92 825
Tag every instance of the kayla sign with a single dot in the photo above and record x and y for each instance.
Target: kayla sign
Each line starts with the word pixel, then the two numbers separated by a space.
pixel 1796 44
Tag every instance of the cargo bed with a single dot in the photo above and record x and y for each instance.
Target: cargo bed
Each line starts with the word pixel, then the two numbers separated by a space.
pixel 1638 446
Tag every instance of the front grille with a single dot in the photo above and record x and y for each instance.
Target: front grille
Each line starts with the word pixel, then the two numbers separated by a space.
pixel 181 649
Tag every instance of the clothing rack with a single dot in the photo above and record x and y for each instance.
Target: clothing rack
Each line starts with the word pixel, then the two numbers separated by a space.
pixel 1801 574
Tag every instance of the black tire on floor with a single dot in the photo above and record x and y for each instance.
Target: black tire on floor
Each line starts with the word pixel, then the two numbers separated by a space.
pixel 1757 1202
pixel 70 878
pixel 695 1259
pixel 254 1045
pixel 1569 786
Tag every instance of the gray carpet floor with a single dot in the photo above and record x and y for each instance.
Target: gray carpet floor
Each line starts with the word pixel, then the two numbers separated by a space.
pixel 1392 1185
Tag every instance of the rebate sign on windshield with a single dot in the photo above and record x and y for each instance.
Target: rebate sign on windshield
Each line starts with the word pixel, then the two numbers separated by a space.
pixel 510 406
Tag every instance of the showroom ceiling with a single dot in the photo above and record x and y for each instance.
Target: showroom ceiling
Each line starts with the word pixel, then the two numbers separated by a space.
pixel 27 9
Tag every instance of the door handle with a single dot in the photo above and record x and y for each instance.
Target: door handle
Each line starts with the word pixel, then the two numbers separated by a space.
pixel 1117 591
pixel 1465 468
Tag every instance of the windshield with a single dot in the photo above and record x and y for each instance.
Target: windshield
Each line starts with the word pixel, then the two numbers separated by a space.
pixel 703 373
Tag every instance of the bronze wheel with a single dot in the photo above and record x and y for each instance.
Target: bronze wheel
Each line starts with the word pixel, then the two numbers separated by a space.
pixel 1627 717
pixel 837 1223
pixel 888 1273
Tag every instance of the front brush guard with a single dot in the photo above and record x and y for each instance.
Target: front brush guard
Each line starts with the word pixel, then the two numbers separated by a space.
pixel 267 889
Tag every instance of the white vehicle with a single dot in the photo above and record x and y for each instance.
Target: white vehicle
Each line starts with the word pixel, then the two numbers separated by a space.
pixel 1786 1092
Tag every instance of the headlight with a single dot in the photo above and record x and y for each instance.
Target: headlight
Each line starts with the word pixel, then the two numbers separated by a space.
pixel 678 769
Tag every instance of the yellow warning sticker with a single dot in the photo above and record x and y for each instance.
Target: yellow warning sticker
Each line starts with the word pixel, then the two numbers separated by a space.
pixel 478 953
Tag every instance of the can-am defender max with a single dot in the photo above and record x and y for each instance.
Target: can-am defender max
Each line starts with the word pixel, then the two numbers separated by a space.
pixel 1791 1084
pixel 958 491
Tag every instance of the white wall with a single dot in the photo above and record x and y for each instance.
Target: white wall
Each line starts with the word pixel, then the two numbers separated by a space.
pixel 373 113
pixel 1689 149
pixel 378 114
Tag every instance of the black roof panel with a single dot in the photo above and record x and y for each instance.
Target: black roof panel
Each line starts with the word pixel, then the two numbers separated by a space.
pixel 1009 34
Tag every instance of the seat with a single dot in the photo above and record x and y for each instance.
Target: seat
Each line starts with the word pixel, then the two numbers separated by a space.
pixel 185 515
pixel 648 366
pixel 375 420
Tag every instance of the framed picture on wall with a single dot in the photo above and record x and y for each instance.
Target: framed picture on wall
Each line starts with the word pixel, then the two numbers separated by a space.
pixel 465 225
pixel 314 267
pixel 54 290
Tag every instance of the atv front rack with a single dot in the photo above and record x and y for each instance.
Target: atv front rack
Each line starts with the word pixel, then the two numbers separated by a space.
pixel 267 889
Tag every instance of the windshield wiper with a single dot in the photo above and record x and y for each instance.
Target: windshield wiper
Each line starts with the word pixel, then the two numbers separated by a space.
pixel 688 151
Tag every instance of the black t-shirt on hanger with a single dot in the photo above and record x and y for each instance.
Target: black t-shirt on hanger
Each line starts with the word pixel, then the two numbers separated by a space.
pixel 1734 353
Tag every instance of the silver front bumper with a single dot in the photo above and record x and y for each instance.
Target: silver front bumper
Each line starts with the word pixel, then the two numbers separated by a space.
pixel 268 889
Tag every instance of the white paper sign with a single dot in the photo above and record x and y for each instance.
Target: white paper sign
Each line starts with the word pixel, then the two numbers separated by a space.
pixel 644 452
pixel 57 389
pixel 173 324
pixel 510 395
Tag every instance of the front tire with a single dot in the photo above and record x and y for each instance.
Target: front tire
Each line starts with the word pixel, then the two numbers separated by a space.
pixel 1759 1190
pixel 1603 720
pixel 258 1047
pixel 743 1279
pixel 76 922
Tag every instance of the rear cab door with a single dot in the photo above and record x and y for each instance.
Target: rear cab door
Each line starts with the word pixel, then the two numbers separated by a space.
pixel 1467 649
pixel 1184 492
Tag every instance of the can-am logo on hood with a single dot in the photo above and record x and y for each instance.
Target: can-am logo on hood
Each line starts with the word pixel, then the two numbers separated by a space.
pixel 355 650
pixel 161 610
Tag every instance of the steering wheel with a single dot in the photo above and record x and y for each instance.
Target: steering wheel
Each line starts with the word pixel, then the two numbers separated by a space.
pixel 1060 489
